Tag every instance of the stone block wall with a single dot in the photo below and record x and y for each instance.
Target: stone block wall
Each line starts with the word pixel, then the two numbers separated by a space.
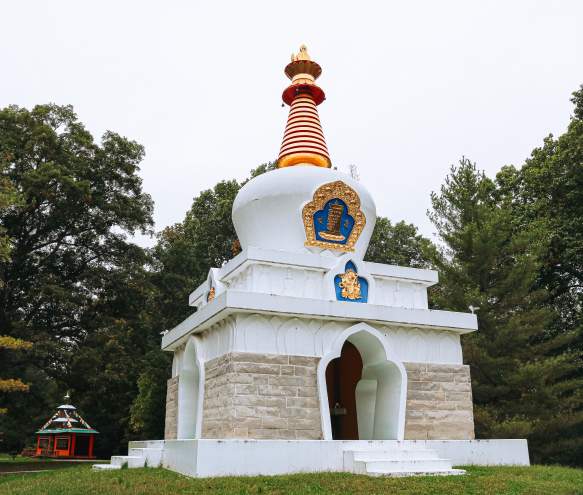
pixel 261 396
pixel 171 423
pixel 439 402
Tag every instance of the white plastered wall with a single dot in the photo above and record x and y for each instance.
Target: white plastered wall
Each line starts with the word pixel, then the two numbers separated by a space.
pixel 297 336
pixel 382 347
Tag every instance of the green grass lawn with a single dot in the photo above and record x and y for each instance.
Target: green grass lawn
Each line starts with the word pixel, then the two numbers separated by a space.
pixel 4 458
pixel 543 480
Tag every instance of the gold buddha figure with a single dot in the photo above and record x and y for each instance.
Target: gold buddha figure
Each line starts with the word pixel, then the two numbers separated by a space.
pixel 350 285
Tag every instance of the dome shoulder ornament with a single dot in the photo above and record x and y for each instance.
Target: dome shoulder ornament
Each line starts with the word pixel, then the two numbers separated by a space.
pixel 333 218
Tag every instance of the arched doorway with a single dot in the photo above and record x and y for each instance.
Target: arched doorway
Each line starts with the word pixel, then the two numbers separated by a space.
pixel 189 393
pixel 342 377
pixel 364 387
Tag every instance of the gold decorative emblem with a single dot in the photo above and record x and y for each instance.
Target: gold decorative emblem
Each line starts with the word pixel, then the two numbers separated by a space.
pixel 350 285
pixel 341 226
pixel 332 232
pixel 211 295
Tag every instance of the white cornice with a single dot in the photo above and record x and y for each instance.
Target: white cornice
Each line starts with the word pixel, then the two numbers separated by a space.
pixel 230 302
pixel 310 261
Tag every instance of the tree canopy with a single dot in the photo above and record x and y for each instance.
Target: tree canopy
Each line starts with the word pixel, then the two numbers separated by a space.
pixel 77 201
pixel 82 307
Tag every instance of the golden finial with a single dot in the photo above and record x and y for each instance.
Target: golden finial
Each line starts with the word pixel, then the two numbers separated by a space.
pixel 301 55
pixel 303 140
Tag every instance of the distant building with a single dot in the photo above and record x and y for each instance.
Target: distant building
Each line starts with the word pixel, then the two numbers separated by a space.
pixel 66 435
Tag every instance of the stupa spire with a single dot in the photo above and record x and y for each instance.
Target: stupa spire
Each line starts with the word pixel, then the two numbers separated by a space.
pixel 303 139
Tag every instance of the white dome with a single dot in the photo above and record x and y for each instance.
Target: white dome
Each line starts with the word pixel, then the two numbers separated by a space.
pixel 267 212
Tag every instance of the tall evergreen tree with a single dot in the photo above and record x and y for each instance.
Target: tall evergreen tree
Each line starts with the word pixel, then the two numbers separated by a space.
pixel 548 189
pixel 523 386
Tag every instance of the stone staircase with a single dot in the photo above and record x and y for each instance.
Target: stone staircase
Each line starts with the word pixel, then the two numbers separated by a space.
pixel 398 461
pixel 140 454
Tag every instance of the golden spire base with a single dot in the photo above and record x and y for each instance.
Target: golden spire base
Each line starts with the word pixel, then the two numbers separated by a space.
pixel 303 159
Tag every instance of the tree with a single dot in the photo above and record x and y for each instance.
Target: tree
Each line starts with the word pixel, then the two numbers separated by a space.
pixel 548 190
pixel 147 415
pixel 399 244
pixel 78 200
pixel 523 376
pixel 181 259
pixel 186 251
pixel 9 199
pixel 550 186
pixel 10 385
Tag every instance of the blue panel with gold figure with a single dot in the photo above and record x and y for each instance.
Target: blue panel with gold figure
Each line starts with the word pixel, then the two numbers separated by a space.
pixel 349 286
pixel 333 223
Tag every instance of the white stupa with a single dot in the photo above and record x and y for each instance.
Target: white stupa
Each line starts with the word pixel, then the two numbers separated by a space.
pixel 301 356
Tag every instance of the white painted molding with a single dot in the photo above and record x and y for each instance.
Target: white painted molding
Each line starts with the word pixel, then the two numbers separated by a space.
pixel 293 336
pixel 317 261
pixel 231 302
pixel 307 261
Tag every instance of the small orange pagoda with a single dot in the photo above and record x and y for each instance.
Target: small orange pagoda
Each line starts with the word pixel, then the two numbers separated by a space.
pixel 66 435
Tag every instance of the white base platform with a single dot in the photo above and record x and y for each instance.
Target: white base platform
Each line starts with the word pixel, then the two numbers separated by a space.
pixel 208 458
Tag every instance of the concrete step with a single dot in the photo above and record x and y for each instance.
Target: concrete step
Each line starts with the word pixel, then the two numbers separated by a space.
pixel 104 467
pixel 146 444
pixel 153 456
pixel 397 474
pixel 141 454
pixel 410 465
pixel 397 461
pixel 132 461
pixel 394 454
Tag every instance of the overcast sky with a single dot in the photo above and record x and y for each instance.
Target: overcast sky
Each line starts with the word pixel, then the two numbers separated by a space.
pixel 411 86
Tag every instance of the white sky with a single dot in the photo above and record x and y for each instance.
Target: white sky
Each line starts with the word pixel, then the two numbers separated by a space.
pixel 411 86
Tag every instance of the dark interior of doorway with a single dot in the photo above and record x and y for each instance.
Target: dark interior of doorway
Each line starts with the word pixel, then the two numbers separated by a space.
pixel 82 445
pixel 342 376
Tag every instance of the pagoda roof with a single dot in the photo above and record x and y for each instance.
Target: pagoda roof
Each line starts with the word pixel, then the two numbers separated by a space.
pixel 66 430
pixel 66 420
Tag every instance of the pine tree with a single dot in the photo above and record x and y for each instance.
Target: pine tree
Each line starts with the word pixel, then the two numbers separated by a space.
pixel 548 190
pixel 522 374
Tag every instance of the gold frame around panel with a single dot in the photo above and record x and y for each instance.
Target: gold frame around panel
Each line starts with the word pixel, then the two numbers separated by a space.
pixel 323 194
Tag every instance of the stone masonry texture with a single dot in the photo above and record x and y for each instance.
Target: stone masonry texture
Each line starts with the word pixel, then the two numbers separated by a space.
pixel 439 402
pixel 261 396
pixel 170 427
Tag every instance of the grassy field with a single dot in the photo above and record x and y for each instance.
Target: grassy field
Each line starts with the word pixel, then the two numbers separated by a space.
pixel 4 458
pixel 81 480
